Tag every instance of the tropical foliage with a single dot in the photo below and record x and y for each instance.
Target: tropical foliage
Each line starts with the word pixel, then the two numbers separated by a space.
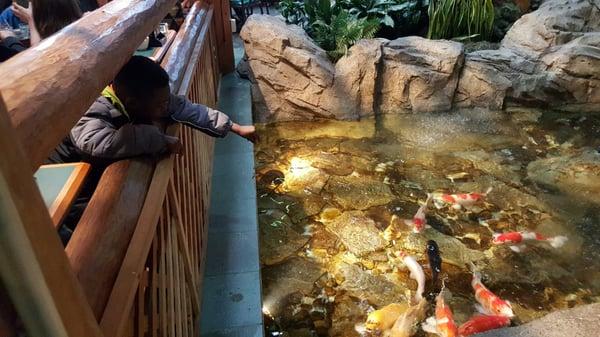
pixel 462 19
pixel 337 25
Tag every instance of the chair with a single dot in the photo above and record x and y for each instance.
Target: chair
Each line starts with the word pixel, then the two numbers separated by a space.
pixel 244 8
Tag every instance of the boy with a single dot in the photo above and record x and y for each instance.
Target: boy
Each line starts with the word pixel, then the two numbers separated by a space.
pixel 123 121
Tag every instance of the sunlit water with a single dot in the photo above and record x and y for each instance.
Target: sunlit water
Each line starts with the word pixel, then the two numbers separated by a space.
pixel 328 190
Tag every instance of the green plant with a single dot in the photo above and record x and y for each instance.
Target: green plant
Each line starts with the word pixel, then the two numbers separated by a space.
pixel 292 11
pixel 380 10
pixel 343 31
pixel 449 19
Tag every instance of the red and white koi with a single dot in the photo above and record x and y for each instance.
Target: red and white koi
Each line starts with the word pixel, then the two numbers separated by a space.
pixel 482 323
pixel 515 239
pixel 489 303
pixel 419 222
pixel 416 273
pixel 442 324
pixel 460 200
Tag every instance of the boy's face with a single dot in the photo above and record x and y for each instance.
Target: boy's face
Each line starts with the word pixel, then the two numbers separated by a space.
pixel 151 108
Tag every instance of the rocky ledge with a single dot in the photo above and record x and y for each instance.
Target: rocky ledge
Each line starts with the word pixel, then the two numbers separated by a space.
pixel 550 57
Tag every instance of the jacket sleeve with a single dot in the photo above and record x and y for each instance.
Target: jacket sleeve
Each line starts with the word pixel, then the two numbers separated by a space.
pixel 14 44
pixel 200 117
pixel 97 137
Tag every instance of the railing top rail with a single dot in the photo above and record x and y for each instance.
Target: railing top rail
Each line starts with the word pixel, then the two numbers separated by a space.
pixel 45 100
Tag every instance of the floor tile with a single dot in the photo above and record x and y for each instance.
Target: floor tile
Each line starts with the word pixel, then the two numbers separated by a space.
pixel 231 300
pixel 232 253
pixel 244 331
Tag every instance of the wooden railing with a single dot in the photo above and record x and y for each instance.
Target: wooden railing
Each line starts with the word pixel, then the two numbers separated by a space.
pixel 134 264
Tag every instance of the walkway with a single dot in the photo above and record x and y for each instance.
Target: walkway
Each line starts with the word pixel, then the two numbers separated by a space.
pixel 231 289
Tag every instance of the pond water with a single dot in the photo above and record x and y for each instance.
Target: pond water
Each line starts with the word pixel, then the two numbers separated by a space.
pixel 331 196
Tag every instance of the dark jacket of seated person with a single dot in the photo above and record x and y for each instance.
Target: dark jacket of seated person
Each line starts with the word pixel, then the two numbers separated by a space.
pixel 122 123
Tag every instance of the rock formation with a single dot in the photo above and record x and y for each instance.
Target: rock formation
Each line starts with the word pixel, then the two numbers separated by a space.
pixel 550 57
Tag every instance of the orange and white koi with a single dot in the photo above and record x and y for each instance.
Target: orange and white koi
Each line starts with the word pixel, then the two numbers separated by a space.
pixel 458 201
pixel 516 238
pixel 419 222
pixel 416 273
pixel 442 323
pixel 489 303
pixel 482 323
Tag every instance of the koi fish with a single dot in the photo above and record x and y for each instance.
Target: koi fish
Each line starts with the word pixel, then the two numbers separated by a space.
pixel 442 324
pixel 519 237
pixel 458 201
pixel 435 261
pixel 482 323
pixel 384 318
pixel 419 222
pixel 489 303
pixel 416 273
pixel 406 325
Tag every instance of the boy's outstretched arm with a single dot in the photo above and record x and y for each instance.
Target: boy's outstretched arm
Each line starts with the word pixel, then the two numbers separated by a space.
pixel 207 120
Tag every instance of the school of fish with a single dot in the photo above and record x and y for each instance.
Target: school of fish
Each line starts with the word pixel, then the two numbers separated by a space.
pixel 402 320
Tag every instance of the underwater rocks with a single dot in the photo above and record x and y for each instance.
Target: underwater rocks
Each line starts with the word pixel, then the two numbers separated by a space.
pixel 549 58
pixel 376 289
pixel 452 250
pixel 295 275
pixel 357 232
pixel 278 239
pixel 577 175
pixel 359 192
pixel 576 322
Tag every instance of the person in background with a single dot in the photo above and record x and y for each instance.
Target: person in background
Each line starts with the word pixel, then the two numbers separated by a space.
pixel 9 45
pixel 46 17
pixel 125 122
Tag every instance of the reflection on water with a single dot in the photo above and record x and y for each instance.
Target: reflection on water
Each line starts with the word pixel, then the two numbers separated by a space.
pixel 328 192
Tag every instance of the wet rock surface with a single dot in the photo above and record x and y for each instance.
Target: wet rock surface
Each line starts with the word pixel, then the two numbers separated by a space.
pixel 357 232
pixel 278 237
pixel 359 192
pixel 549 57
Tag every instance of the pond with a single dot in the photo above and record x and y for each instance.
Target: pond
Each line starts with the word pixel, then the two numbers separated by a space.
pixel 332 197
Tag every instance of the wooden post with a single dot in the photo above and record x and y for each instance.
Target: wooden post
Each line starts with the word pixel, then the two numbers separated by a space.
pixel 45 97
pixel 99 243
pixel 224 36
pixel 33 265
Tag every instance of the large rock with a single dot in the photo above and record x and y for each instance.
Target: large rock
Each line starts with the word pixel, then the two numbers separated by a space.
pixel 550 57
pixel 361 192
pixel 290 71
pixel 578 322
pixel 278 238
pixel 419 75
pixel 357 232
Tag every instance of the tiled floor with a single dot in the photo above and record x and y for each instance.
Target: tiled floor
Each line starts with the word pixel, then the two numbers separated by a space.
pixel 231 294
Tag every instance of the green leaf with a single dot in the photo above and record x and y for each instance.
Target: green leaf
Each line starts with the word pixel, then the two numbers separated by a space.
pixel 388 21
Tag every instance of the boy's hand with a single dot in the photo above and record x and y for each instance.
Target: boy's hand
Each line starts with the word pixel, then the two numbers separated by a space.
pixel 24 14
pixel 4 34
pixel 246 131
pixel 174 145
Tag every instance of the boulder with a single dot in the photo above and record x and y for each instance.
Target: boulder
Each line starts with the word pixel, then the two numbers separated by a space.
pixel 278 239
pixel 289 70
pixel 357 232
pixel 419 75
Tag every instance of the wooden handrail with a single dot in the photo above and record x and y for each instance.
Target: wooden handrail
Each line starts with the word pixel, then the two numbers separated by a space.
pixel 90 53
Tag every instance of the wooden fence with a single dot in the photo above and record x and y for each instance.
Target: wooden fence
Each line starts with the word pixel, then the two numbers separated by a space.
pixel 150 285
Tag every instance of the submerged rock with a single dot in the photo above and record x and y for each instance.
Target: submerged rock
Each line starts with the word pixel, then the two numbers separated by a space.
pixel 278 237
pixel 452 250
pixel 357 232
pixel 341 164
pixel 296 275
pixel 304 179
pixel 577 175
pixel 346 313
pixel 359 192
pixel 361 284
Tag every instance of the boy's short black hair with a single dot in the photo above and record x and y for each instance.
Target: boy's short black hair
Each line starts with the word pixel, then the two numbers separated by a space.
pixel 140 76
